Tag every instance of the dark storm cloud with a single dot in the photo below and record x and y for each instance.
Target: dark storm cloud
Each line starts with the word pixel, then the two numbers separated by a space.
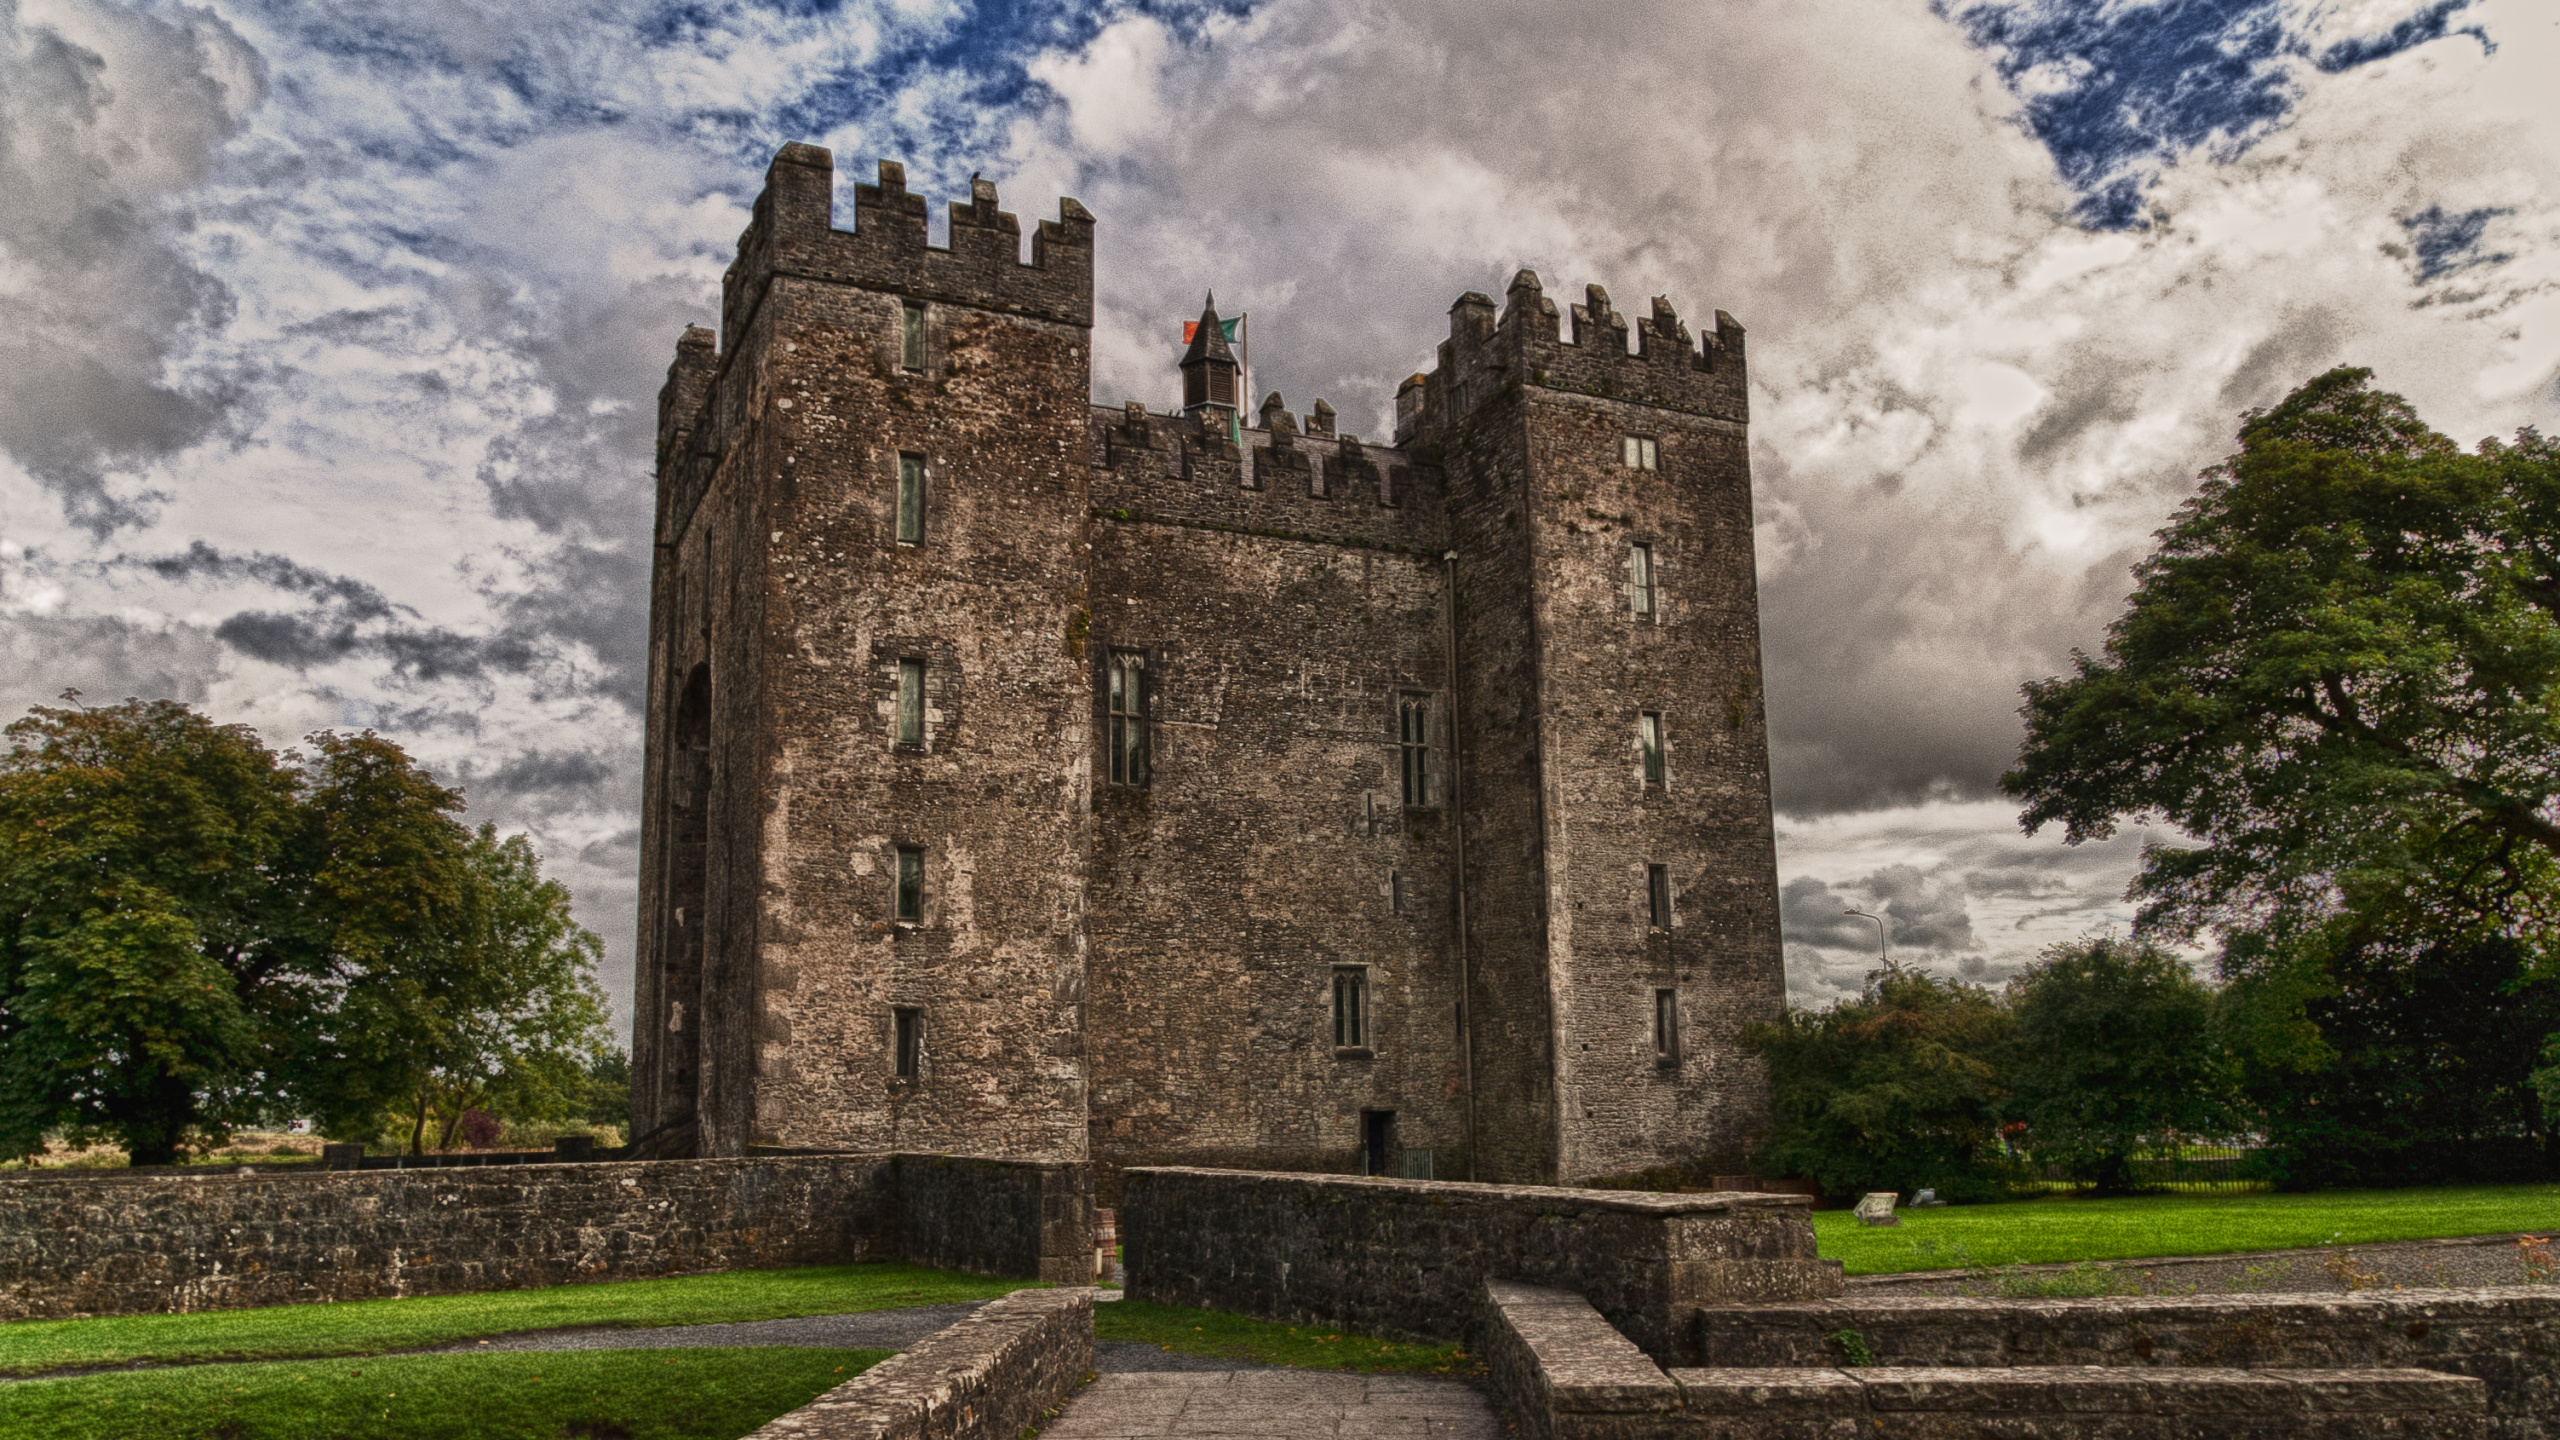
pixel 348 618
pixel 349 598
pixel 107 115
pixel 1878 693
pixel 541 770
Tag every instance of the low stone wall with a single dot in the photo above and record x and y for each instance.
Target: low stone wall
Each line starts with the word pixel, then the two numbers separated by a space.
pixel 1410 1258
pixel 117 1244
pixel 2071 1404
pixel 984 1378
pixel 998 1217
pixel 2508 1338
pixel 1563 1373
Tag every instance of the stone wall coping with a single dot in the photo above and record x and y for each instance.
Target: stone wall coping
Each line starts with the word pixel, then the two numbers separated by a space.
pixel 2498 1302
pixel 1580 1362
pixel 463 1174
pixel 984 1377
pixel 1632 1202
pixel 2076 1389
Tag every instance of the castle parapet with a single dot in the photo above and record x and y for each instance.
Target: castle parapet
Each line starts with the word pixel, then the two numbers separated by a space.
pixel 793 232
pixel 1526 343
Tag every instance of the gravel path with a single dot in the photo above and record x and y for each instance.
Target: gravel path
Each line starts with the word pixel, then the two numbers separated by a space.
pixel 2463 1264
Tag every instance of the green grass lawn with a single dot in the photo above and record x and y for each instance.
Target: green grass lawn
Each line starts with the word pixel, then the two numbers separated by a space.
pixel 1308 1347
pixel 371 1327
pixel 583 1394
pixel 2060 1229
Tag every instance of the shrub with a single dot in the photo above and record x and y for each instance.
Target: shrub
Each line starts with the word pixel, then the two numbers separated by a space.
pixel 1897 1089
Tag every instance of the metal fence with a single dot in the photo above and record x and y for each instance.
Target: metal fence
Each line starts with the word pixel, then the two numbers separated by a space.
pixel 2184 1167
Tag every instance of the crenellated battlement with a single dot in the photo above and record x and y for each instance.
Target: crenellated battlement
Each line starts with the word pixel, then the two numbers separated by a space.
pixel 1283 480
pixel 792 232
pixel 1584 349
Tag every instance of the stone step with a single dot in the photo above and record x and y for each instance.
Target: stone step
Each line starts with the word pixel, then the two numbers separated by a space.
pixel 1917 1403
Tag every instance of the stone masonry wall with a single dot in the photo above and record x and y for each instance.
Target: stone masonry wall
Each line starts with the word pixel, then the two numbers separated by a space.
pixel 109 1244
pixel 2508 1338
pixel 997 1217
pixel 1269 848
pixel 1564 1374
pixel 1410 1258
pixel 986 1377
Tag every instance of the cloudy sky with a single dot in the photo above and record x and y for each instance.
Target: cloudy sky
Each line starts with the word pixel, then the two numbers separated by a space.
pixel 330 332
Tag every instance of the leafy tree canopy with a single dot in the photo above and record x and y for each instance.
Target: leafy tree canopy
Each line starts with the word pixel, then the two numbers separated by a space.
pixel 2115 1053
pixel 196 931
pixel 2341 673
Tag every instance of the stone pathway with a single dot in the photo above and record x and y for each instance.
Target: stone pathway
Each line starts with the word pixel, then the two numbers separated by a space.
pixel 1274 1405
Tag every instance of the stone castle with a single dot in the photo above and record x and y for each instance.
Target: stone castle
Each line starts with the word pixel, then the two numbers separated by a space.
pixel 1033 778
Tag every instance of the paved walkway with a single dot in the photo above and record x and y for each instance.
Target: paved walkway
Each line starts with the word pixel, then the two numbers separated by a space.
pixel 1274 1405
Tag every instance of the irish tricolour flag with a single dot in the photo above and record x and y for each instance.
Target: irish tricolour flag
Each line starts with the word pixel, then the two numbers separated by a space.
pixel 1227 328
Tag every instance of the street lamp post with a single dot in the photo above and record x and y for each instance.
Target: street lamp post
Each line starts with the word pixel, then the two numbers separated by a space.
pixel 1881 957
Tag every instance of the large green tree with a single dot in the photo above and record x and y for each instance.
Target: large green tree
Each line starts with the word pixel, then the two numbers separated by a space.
pixel 2340 675
pixel 195 930
pixel 2116 1052
pixel 145 958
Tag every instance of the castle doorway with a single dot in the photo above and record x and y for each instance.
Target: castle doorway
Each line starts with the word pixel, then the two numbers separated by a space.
pixel 1381 1137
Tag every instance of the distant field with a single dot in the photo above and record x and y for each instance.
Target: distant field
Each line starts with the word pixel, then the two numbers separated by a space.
pixel 623 1394
pixel 2061 1229
pixel 373 1327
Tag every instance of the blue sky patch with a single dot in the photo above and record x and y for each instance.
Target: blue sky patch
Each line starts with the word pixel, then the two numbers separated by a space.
pixel 2443 242
pixel 2119 91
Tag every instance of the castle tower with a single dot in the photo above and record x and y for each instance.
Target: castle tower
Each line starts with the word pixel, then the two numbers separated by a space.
pixel 1621 869
pixel 864 833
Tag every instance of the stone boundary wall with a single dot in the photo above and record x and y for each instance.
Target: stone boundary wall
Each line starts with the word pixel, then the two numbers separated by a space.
pixel 2507 1337
pixel 998 1217
pixel 984 1378
pixel 1562 1373
pixel 1409 1258
pixel 127 1245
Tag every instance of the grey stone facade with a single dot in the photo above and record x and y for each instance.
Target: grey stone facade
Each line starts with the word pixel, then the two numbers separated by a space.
pixel 1380 743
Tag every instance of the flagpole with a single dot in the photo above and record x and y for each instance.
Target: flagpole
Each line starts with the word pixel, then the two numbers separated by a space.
pixel 1244 332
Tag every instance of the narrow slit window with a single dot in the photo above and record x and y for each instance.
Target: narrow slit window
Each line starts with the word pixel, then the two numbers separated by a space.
pixel 1649 737
pixel 1666 1026
pixel 907 1041
pixel 1351 1008
pixel 1640 453
pixel 1413 742
pixel 1395 891
pixel 911 883
pixel 911 335
pixel 1657 895
pixel 910 499
pixel 911 702
pixel 1127 732
pixel 1640 580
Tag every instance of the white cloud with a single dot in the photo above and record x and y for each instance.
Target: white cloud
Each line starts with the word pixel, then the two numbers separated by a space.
pixel 387 290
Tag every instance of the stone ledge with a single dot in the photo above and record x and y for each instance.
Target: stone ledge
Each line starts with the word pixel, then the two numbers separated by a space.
pixel 1566 1357
pixel 983 1378
pixel 2060 1391
pixel 1629 1202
